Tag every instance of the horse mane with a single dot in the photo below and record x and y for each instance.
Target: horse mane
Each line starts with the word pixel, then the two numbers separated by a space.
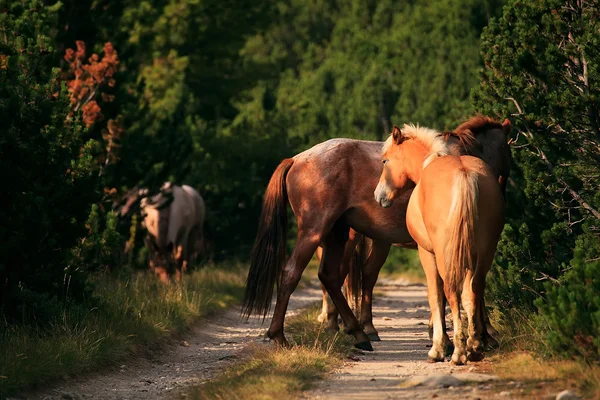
pixel 478 124
pixel 433 140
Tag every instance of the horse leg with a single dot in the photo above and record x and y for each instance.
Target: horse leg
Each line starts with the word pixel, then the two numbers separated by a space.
pixel 472 299
pixel 449 344
pixel 329 313
pixel 180 258
pixel 371 269
pixel 488 330
pixel 306 244
pixel 435 296
pixel 329 274
pixel 459 356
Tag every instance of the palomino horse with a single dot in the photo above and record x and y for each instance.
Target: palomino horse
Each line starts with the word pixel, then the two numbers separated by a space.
pixel 174 219
pixel 330 189
pixel 456 215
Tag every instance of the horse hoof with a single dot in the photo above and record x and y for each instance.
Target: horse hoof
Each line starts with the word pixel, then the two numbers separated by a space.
pixel 475 356
pixel 374 337
pixel 366 345
pixel 433 360
pixel 458 360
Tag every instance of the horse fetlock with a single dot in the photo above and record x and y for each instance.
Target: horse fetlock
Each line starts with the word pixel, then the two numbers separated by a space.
pixel 436 354
pixel 322 317
pixel 371 332
pixel 278 338
pixel 474 345
pixel 459 356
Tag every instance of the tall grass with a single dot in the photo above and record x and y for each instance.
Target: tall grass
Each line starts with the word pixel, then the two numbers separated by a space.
pixel 526 356
pixel 123 315
pixel 270 372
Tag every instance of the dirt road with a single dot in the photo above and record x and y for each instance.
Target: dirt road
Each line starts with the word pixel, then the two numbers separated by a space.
pixel 196 356
pixel 398 368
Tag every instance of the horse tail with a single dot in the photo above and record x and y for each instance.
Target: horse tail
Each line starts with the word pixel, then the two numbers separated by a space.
pixel 269 251
pixel 355 271
pixel 460 236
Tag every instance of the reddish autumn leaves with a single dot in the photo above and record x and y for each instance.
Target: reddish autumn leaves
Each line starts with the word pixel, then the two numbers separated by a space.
pixel 89 82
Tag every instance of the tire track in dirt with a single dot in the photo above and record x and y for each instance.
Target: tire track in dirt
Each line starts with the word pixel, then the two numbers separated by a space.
pixel 189 360
pixel 401 315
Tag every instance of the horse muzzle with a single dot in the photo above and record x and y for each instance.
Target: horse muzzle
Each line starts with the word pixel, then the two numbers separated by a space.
pixel 382 195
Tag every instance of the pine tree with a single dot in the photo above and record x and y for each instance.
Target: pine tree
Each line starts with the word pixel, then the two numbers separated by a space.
pixel 541 63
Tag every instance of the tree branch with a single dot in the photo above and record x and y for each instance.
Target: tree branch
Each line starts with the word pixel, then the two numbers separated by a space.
pixel 576 196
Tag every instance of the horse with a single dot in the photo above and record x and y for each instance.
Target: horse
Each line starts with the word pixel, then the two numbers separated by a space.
pixel 500 161
pixel 174 219
pixel 330 190
pixel 456 215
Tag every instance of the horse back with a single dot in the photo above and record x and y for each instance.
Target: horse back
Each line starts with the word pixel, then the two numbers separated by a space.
pixel 436 191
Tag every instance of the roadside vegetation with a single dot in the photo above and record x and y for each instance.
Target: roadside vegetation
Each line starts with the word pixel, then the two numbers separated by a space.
pixel 120 317
pixel 270 372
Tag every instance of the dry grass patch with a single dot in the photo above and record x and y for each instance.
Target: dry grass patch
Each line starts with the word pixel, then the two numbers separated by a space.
pixel 122 316
pixel 525 357
pixel 274 373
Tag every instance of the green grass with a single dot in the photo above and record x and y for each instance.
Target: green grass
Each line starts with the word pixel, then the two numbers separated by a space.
pixel 126 314
pixel 270 372
pixel 403 263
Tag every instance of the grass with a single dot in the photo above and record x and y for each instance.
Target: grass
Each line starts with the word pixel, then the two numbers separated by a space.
pixel 523 356
pixel 127 314
pixel 405 264
pixel 270 372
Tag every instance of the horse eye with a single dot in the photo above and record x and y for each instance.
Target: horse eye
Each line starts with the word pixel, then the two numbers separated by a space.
pixel 385 161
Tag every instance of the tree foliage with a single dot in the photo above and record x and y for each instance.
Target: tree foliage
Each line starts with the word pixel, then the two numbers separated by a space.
pixel 541 63
pixel 47 167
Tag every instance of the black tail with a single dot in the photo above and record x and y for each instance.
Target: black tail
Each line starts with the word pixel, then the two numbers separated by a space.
pixel 269 252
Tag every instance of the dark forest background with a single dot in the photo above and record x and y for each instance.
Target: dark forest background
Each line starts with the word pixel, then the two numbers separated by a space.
pixel 100 97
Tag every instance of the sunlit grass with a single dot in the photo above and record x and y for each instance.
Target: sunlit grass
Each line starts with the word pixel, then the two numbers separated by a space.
pixel 126 314
pixel 524 356
pixel 270 372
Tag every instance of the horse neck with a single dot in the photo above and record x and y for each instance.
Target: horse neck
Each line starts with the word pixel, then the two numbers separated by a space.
pixel 414 161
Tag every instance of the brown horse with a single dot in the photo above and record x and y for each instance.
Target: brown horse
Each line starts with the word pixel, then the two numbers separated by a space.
pixel 486 133
pixel 456 215
pixel 330 189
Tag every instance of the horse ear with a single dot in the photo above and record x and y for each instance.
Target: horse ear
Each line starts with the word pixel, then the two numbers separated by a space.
pixel 506 127
pixel 397 135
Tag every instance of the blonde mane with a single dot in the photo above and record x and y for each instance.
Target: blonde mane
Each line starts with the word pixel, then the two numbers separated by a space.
pixel 431 139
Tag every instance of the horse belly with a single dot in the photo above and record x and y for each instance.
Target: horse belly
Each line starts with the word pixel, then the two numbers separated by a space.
pixel 416 225
pixel 387 225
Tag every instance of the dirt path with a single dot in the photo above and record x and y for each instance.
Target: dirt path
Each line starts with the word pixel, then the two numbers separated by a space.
pixel 193 358
pixel 398 368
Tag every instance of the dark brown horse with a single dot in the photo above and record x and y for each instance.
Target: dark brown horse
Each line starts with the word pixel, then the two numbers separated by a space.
pixel 330 189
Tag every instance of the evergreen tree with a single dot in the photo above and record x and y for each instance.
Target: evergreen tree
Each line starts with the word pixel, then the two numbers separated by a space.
pixel 47 169
pixel 541 63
